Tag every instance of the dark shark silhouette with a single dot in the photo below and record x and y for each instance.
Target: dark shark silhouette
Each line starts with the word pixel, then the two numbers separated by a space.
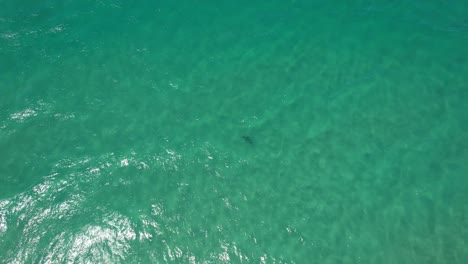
pixel 248 139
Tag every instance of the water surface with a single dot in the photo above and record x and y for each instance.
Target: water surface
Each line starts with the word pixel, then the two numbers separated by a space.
pixel 253 132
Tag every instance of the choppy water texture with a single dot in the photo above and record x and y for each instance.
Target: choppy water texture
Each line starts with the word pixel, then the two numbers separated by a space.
pixel 233 131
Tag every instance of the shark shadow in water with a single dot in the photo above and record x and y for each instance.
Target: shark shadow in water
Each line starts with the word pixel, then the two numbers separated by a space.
pixel 248 140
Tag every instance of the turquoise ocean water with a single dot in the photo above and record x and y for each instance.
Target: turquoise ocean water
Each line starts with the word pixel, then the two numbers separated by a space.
pixel 234 131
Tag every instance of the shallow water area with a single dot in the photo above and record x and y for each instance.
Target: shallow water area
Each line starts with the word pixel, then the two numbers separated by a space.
pixel 234 132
